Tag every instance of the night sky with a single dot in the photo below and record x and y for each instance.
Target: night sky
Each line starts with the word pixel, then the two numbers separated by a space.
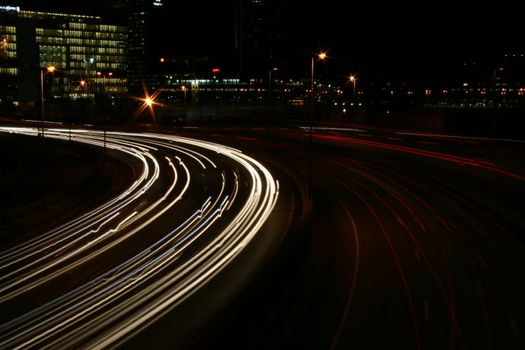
pixel 395 40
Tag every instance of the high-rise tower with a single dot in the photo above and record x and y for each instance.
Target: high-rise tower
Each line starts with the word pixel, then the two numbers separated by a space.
pixel 260 37
pixel 139 17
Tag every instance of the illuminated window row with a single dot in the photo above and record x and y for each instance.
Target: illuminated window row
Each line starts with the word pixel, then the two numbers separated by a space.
pixel 9 71
pixel 7 29
pixel 92 59
pixel 49 40
pixel 98 27
pixel 92 35
pixel 91 51
pixel 49 32
pixel 110 81
pixel 95 42
pixel 8 37
pixel 75 41
pixel 52 49
pixel 98 65
pixel 54 15
pixel 114 66
pixel 117 89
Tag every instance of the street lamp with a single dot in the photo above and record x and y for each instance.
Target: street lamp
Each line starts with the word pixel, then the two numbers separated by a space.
pixel 353 79
pixel 148 102
pixel 184 89
pixel 320 56
pixel 48 69
pixel 103 103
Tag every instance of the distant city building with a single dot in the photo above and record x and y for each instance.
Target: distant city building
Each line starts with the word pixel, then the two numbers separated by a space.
pixel 260 37
pixel 89 55
pixel 139 17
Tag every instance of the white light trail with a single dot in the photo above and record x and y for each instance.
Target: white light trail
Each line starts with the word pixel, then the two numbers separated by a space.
pixel 188 236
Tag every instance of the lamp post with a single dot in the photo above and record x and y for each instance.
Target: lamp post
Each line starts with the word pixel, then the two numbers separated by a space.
pixel 184 89
pixel 353 80
pixel 104 117
pixel 320 56
pixel 48 69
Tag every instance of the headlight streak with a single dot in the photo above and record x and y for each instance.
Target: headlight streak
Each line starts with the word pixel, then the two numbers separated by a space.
pixel 222 250
pixel 190 153
pixel 91 217
pixel 109 309
pixel 73 254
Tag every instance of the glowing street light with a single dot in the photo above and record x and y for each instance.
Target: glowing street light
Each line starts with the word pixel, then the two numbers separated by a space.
pixel 148 102
pixel 353 79
pixel 48 69
pixel 321 57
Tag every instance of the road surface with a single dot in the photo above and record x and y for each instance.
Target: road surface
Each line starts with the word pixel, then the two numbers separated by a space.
pixel 186 223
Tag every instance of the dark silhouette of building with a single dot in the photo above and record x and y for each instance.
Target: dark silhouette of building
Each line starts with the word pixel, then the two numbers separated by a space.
pixel 260 37
pixel 139 17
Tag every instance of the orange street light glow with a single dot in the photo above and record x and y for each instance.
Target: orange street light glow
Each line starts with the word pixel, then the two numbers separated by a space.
pixel 148 102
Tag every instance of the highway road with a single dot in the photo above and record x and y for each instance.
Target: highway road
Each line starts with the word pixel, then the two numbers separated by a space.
pixel 185 224
pixel 416 242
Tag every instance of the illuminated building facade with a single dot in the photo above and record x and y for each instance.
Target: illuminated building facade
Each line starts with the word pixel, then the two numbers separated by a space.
pixel 8 54
pixel 88 54
pixel 139 17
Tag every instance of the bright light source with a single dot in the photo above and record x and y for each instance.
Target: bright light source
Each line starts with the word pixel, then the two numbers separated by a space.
pixel 149 101
pixel 322 55
pixel 51 69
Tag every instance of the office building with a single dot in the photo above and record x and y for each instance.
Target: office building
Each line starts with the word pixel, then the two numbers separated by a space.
pixel 139 18
pixel 88 54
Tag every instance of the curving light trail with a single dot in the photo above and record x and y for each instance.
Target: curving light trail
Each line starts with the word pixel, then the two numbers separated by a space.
pixel 191 210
